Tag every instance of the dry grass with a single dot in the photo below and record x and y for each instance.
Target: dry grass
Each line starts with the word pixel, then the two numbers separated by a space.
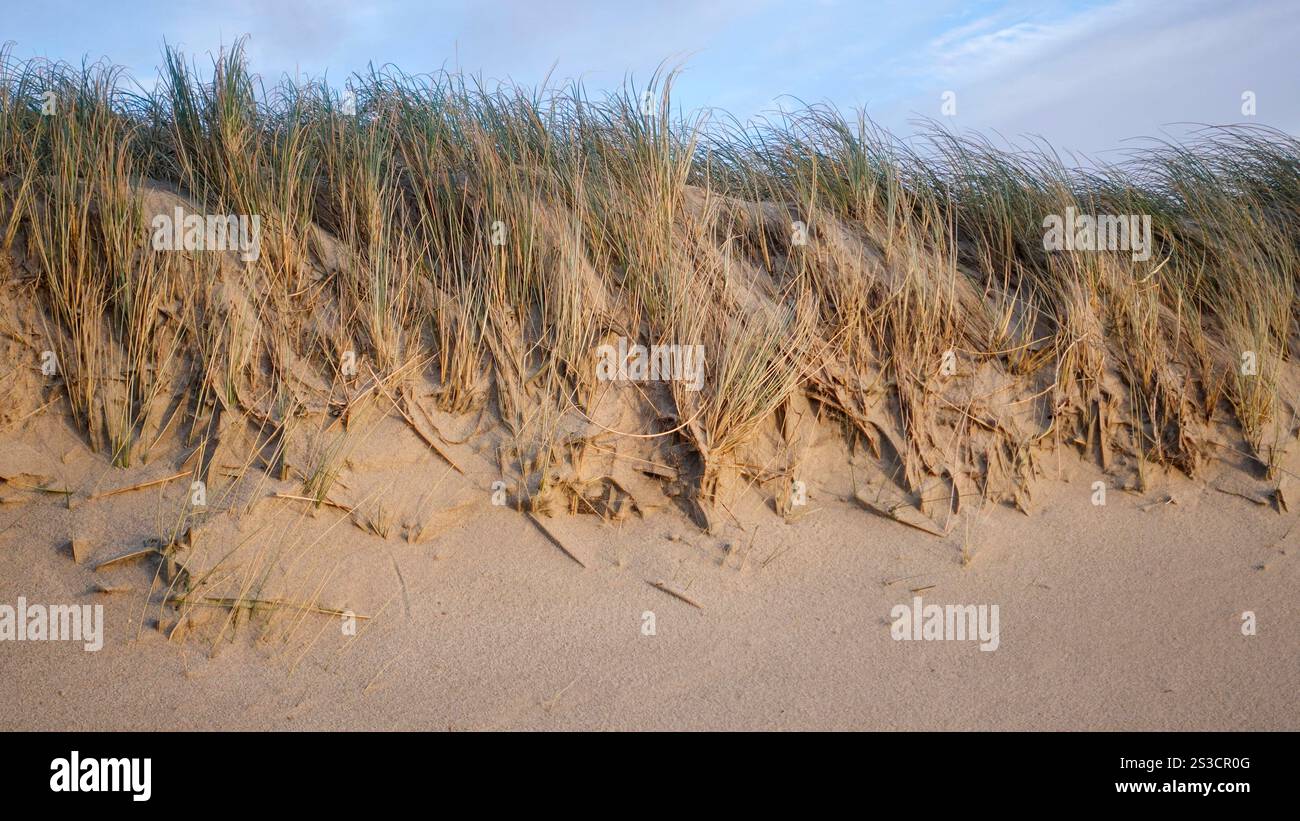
pixel 500 234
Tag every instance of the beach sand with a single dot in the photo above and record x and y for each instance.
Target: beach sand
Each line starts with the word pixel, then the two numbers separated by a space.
pixel 1122 616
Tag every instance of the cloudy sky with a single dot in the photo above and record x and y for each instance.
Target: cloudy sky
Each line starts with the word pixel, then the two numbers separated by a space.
pixel 1085 75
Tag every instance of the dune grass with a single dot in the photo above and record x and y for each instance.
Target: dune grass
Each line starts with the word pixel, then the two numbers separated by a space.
pixel 502 232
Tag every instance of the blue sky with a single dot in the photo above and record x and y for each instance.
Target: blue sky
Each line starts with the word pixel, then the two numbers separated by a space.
pixel 1084 75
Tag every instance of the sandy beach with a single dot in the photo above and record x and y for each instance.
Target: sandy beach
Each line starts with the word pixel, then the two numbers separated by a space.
pixel 1126 616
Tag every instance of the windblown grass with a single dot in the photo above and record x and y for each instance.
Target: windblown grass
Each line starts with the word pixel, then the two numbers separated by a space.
pixel 501 233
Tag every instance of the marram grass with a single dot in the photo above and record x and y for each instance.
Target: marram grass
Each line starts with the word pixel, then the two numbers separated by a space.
pixel 488 239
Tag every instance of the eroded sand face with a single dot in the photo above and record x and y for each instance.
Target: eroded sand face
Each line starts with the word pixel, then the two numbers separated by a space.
pixel 1127 615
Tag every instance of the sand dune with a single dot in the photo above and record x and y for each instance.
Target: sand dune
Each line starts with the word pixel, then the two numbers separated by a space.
pixel 461 407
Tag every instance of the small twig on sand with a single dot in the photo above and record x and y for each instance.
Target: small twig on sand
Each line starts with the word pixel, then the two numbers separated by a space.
pixel 1247 496
pixel 231 602
pixel 140 486
pixel 127 557
pixel 888 582
pixel 548 705
pixel 374 680
pixel 659 585
pixel 546 531
pixel 315 501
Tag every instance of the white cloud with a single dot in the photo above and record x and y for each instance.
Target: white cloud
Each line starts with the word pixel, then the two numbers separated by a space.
pixel 1090 79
